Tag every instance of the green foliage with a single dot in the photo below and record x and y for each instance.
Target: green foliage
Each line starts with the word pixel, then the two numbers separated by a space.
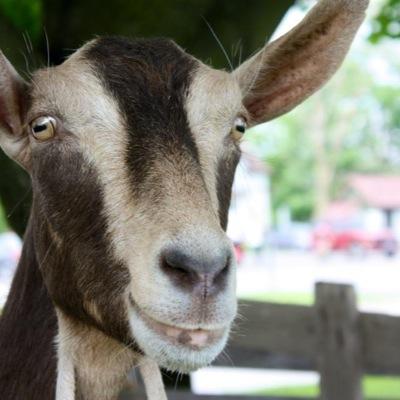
pixel 387 23
pixel 25 15
pixel 3 221
pixel 287 154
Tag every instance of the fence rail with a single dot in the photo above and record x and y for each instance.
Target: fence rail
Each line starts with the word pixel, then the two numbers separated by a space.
pixel 289 336
pixel 331 337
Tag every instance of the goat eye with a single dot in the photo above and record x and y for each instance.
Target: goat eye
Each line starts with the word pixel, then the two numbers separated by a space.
pixel 43 128
pixel 239 128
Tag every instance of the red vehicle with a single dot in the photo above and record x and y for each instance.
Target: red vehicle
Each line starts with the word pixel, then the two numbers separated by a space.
pixel 347 236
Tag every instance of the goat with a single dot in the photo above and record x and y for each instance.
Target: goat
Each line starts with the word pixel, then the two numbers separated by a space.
pixel 131 146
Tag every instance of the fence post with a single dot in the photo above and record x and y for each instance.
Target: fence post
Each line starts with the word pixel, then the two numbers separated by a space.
pixel 339 342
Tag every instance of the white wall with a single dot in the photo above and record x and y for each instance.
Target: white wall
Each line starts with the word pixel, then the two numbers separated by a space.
pixel 250 212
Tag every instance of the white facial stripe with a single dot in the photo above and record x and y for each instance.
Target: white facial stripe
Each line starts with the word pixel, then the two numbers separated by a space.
pixel 65 388
pixel 214 101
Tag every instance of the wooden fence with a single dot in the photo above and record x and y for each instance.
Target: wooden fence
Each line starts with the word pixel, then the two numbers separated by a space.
pixel 331 337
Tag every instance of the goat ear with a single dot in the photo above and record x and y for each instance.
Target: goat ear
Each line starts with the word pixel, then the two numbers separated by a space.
pixel 13 101
pixel 287 71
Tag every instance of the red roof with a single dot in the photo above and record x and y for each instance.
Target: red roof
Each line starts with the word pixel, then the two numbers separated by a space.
pixel 381 191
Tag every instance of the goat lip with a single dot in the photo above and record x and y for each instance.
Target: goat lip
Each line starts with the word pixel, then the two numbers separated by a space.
pixel 194 338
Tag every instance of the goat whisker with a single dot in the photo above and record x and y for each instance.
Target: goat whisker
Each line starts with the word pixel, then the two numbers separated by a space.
pixel 219 43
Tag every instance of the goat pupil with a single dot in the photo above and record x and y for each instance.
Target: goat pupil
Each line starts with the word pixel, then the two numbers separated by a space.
pixel 241 128
pixel 39 128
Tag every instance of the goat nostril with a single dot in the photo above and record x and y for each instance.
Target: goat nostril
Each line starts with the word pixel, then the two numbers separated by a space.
pixel 194 269
pixel 225 270
pixel 221 275
pixel 178 270
pixel 169 264
pixel 173 264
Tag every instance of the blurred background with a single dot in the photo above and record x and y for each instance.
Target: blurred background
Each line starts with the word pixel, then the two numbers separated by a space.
pixel 317 194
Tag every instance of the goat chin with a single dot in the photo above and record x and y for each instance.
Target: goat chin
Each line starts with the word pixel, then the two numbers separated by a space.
pixel 174 355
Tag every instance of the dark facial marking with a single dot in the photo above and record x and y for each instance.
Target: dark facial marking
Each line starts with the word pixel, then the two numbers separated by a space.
pixel 81 269
pixel 149 78
pixel 225 175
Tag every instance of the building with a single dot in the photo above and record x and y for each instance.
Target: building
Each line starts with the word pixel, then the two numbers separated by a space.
pixel 368 217
pixel 250 215
pixel 378 199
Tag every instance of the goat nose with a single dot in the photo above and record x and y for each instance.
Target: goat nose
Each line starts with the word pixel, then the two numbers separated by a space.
pixel 204 271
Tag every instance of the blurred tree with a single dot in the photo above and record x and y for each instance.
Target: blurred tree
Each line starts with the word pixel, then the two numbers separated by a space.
pixel 242 28
pixel 387 23
pixel 24 15
pixel 351 125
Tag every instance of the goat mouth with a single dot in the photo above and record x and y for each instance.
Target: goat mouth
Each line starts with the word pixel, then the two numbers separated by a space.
pixel 195 339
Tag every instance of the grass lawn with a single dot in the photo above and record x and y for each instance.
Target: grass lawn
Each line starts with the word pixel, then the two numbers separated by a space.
pixel 3 223
pixel 374 388
pixel 307 298
pixel 300 298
